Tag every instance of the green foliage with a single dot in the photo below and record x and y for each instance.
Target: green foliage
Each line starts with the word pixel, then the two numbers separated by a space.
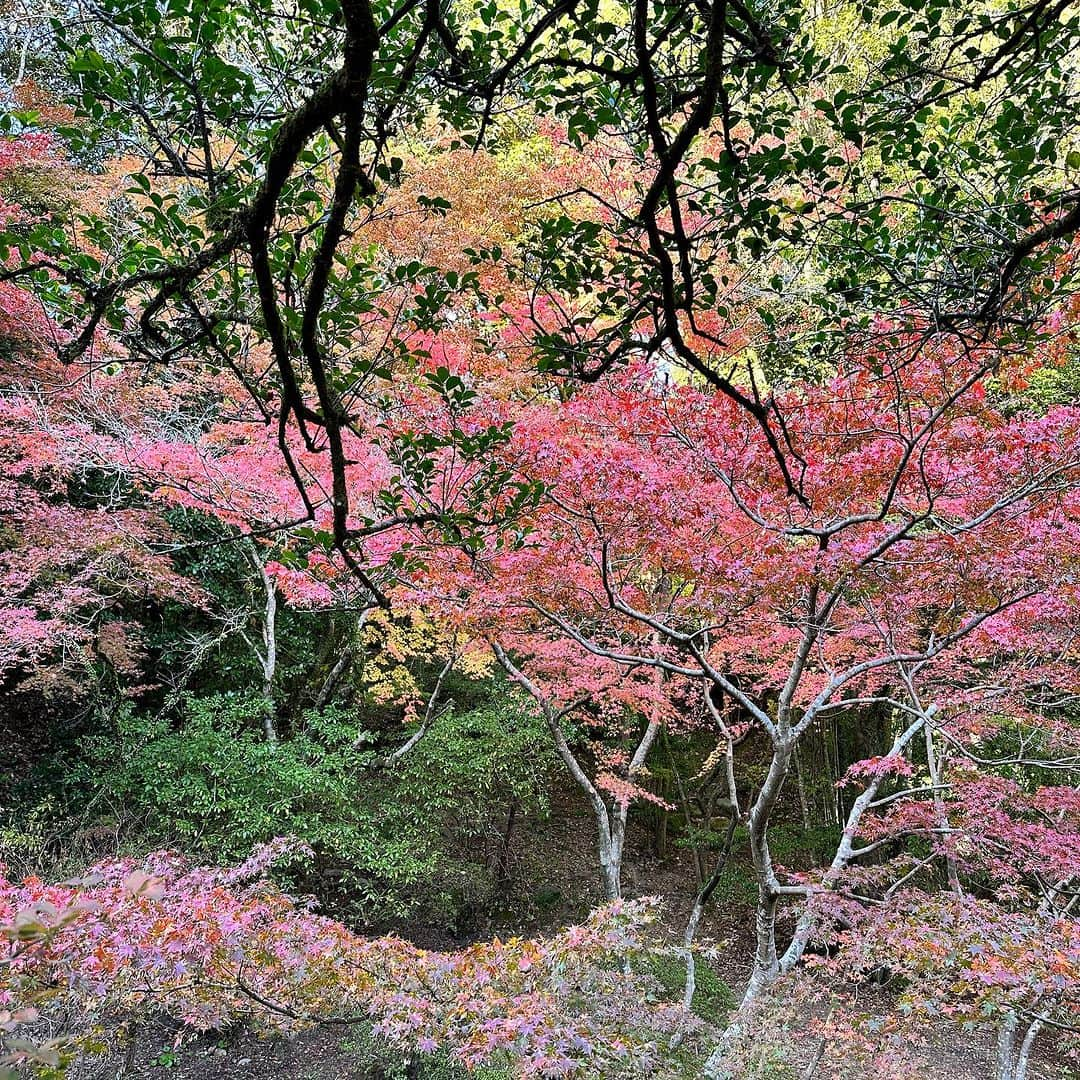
pixel 1019 744
pixel 1050 386
pixel 36 191
pixel 410 838
pixel 494 753
pixel 212 558
pixel 548 898
pixel 796 846
pixel 24 833
pixel 212 785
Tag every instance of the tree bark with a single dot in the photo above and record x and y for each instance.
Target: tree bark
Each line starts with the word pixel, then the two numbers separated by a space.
pixel 1024 1056
pixel 1006 1063
pixel 694 920
pixel 942 819
pixel 844 851
pixel 268 630
pixel 502 858
pixel 269 655
pixel 344 661
pixel 766 963
pixel 1013 1060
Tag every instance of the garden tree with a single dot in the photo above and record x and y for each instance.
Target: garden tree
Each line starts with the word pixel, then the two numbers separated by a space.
pixel 616 781
pixel 926 563
pixel 80 563
pixel 1004 943
pixel 882 182
pixel 227 474
pixel 848 249
pixel 628 713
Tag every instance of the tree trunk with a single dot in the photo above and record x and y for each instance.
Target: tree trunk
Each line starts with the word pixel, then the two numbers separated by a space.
pixel 610 822
pixel 1022 1059
pixel 610 847
pixel 1006 1063
pixel 692 923
pixel 766 963
pixel 502 858
pixel 1013 1060
pixel 939 805
pixel 660 829
pixel 844 850
pixel 268 656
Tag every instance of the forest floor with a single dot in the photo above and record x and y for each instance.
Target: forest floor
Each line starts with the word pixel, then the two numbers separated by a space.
pixel 558 864
pixel 326 1054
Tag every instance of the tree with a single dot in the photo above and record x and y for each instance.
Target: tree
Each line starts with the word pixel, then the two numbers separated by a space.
pixel 930 546
pixel 212 946
pixel 79 561
pixel 1007 953
pixel 718 415
pixel 715 131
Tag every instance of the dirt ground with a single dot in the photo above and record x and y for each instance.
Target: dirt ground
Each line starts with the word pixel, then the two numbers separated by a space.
pixel 326 1054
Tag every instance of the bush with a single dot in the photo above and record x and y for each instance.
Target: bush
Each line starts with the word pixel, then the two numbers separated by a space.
pixel 794 845
pixel 379 1059
pixel 388 842
pixel 802 1028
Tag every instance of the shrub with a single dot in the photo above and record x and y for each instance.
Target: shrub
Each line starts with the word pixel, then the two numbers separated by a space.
pixel 389 842
pixel 378 1058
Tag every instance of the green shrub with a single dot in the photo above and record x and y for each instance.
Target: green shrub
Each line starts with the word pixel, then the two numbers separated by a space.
pixel 794 845
pixel 377 1057
pixel 389 842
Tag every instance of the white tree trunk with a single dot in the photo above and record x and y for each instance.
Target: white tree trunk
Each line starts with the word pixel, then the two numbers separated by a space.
pixel 1006 1064
pixel 942 817
pixel 267 657
pixel 270 656
pixel 1024 1056
pixel 1013 1060
pixel 766 962
pixel 845 849
pixel 610 821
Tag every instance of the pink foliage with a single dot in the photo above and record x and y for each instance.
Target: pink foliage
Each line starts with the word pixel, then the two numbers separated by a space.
pixel 877 767
pixel 213 946
pixel 972 959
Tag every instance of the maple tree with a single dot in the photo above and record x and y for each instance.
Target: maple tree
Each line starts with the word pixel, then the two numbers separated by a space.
pixel 1007 954
pixel 78 563
pixel 730 159
pixel 917 551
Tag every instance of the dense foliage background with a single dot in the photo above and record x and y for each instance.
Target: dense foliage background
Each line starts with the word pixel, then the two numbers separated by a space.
pixel 606 472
